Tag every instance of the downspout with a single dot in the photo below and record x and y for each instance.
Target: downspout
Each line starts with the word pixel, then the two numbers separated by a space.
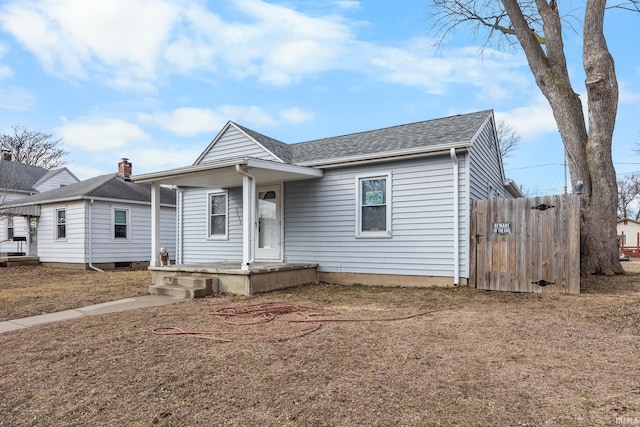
pixel 93 267
pixel 456 214
pixel 249 219
pixel 180 232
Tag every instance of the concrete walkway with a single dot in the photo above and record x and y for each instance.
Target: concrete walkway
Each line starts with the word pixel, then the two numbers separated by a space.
pixel 91 310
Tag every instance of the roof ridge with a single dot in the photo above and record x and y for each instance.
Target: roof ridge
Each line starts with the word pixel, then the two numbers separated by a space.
pixel 391 127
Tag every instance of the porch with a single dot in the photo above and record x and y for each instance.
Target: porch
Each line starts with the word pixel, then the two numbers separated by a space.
pixel 184 280
pixel 12 260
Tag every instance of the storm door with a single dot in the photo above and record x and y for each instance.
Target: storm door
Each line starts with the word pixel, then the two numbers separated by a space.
pixel 269 223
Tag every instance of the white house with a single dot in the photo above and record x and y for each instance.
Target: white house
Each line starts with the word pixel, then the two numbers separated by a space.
pixel 628 232
pixel 19 180
pixel 102 223
pixel 387 206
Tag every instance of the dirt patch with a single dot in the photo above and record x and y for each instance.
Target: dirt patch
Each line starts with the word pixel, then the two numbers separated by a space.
pixel 491 359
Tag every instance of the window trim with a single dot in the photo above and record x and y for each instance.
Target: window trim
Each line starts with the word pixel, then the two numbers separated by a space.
pixel 56 224
pixel 113 224
pixel 388 204
pixel 224 236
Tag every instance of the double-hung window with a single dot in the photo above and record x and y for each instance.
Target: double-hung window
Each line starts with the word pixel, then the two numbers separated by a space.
pixel 218 214
pixel 61 222
pixel 373 217
pixel 10 228
pixel 120 223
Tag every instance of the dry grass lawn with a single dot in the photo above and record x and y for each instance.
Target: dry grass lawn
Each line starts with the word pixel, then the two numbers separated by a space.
pixel 490 359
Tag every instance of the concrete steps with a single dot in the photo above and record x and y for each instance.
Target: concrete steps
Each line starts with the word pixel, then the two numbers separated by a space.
pixel 185 286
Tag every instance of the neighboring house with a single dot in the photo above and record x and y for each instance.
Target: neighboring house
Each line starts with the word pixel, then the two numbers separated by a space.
pixel 387 206
pixel 103 222
pixel 628 232
pixel 19 180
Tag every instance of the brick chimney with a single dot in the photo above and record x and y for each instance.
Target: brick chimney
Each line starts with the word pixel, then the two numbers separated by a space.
pixel 6 155
pixel 124 169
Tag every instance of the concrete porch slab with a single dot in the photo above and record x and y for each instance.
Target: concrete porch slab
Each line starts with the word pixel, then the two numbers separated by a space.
pixel 262 277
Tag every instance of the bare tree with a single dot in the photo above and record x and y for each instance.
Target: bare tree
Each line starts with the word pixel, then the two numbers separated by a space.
pixel 537 27
pixel 33 148
pixel 628 192
pixel 508 138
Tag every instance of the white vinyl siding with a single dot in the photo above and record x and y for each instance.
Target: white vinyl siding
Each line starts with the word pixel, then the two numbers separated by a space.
pixel 197 246
pixel 486 176
pixel 232 144
pixel 320 218
pixel 137 247
pixel 60 179
pixel 67 250
pixel 104 248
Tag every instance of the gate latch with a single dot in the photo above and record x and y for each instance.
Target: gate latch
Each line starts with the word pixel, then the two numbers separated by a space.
pixel 543 207
pixel 542 283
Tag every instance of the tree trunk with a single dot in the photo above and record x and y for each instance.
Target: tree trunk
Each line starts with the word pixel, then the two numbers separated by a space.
pixel 589 152
pixel 599 246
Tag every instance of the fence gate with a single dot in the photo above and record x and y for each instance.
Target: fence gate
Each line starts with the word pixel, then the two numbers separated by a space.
pixel 526 245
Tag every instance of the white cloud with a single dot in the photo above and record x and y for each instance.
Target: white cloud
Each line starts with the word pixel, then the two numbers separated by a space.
pixel 186 121
pixel 417 64
pixel 626 94
pixel 5 71
pixel 138 44
pixel 118 40
pixel 531 121
pixel 296 115
pixel 101 134
pixel 190 121
pixel 248 115
pixel 16 99
pixel 348 4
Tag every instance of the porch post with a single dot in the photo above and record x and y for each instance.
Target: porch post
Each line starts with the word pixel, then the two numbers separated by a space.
pixel 248 220
pixel 155 224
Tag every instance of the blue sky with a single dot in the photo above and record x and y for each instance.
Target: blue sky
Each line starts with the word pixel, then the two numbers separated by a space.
pixel 155 80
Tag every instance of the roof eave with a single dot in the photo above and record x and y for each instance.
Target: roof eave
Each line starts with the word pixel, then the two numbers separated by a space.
pixel 386 156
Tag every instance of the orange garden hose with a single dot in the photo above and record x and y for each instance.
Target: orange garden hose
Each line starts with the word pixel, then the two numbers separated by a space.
pixel 262 313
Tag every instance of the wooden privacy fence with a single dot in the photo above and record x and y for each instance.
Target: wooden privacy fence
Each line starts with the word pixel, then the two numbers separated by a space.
pixel 526 245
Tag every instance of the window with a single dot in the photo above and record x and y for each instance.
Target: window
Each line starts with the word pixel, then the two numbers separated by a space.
pixel 218 209
pixel 10 228
pixel 61 221
pixel 120 223
pixel 374 206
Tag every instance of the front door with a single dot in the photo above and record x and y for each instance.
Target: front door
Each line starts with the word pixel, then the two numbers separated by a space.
pixel 269 223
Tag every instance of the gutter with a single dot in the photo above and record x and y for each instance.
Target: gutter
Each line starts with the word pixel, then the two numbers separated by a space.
pixel 93 267
pixel 385 156
pixel 456 225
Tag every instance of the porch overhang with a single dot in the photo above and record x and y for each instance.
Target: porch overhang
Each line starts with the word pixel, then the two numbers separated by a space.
pixel 242 172
pixel 26 210
pixel 224 174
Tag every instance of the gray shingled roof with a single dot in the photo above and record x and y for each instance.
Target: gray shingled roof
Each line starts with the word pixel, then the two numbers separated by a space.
pixel 108 186
pixel 457 129
pixel 279 148
pixel 19 176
